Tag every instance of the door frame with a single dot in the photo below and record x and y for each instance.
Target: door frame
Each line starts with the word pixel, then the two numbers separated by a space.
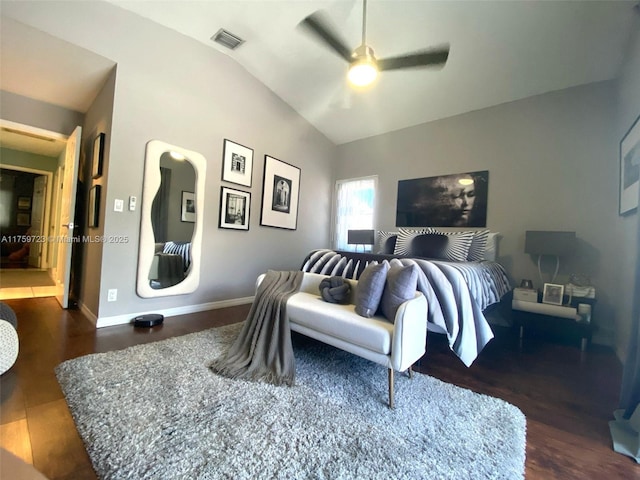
pixel 39 132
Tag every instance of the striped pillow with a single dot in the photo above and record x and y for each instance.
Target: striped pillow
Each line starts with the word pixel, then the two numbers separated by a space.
pixel 478 245
pixel 385 242
pixel 405 239
pixel 458 245
pixel 179 248
pixel 478 242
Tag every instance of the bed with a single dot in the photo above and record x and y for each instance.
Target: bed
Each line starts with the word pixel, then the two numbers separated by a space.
pixel 457 292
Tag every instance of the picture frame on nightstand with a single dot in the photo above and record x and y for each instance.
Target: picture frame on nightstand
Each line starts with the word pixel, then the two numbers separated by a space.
pixel 552 294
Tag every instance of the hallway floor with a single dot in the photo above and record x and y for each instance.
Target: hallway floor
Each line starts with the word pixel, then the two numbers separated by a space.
pixel 25 283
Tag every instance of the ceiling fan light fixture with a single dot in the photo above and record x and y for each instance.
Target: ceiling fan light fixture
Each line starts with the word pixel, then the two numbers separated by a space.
pixel 363 69
pixel 362 74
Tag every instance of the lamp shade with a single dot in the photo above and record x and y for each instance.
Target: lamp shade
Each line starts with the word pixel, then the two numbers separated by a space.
pixel 539 242
pixel 361 237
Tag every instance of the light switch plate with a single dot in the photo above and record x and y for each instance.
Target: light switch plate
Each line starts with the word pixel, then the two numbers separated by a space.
pixel 118 205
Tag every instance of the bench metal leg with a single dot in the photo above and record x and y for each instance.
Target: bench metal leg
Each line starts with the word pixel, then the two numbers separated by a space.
pixel 391 402
pixel 411 372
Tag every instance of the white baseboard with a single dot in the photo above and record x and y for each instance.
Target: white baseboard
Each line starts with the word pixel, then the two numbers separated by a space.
pixel 172 312
pixel 87 313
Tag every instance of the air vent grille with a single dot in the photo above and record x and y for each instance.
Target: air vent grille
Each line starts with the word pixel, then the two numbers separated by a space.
pixel 227 39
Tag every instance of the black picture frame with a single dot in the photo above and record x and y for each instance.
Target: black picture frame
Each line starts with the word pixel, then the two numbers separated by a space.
pixel 24 203
pixel 456 200
pixel 280 194
pixel 98 156
pixel 188 208
pixel 629 165
pixel 23 219
pixel 237 163
pixel 94 206
pixel 235 209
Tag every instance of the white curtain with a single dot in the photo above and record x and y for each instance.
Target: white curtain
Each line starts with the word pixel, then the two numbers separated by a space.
pixel 355 202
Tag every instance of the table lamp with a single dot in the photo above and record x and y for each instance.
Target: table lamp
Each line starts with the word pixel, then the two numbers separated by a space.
pixel 361 237
pixel 550 243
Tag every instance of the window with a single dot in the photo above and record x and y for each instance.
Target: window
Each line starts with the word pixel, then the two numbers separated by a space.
pixel 355 201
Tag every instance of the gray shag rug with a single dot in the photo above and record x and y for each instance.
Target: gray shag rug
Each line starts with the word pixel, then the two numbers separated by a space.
pixel 156 411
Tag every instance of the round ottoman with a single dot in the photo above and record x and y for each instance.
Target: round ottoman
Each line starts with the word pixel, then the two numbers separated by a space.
pixel 9 344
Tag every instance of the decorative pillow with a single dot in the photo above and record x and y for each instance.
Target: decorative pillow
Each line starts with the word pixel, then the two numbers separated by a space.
pixel 334 290
pixel 401 285
pixel 385 242
pixel 370 288
pixel 430 245
pixel 478 245
pixel 405 240
pixel 458 246
pixel 491 250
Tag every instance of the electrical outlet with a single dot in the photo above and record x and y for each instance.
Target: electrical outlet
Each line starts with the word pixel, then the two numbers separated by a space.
pixel 112 295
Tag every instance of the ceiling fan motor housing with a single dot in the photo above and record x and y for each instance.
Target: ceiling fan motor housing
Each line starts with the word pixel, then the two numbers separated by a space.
pixel 363 52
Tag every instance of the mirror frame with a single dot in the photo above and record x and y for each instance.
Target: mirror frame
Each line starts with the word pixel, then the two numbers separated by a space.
pixel 146 249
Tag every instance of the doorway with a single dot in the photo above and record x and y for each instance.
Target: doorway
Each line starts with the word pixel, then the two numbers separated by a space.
pixel 32 217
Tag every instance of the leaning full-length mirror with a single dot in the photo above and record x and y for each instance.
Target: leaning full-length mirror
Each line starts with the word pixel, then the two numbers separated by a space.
pixel 171 225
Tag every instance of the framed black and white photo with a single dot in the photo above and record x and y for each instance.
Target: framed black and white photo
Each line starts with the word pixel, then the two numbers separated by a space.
pixel 456 200
pixel 237 163
pixel 98 156
pixel 24 203
pixel 552 294
pixel 94 206
pixel 630 169
pixel 23 219
pixel 234 209
pixel 280 192
pixel 188 210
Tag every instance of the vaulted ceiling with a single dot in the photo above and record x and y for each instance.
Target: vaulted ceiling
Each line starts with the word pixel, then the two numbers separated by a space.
pixel 501 51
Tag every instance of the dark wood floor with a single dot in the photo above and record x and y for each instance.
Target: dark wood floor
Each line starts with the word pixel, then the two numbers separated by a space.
pixel 567 397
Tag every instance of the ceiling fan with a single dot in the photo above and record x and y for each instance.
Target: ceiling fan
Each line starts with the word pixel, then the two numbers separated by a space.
pixel 364 66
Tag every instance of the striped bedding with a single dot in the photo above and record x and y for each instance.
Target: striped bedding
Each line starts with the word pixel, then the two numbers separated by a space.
pixel 457 292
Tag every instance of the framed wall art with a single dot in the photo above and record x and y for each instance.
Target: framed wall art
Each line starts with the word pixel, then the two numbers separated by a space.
pixel 457 200
pixel 98 156
pixel 280 192
pixel 188 210
pixel 94 206
pixel 237 163
pixel 24 203
pixel 552 294
pixel 630 169
pixel 23 219
pixel 234 209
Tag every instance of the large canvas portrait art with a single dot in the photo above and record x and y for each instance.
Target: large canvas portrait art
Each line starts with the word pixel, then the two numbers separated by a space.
pixel 458 200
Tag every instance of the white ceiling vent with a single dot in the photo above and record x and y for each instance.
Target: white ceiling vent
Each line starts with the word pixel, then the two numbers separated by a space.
pixel 227 39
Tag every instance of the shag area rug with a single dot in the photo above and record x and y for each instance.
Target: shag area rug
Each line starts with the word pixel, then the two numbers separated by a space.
pixel 156 411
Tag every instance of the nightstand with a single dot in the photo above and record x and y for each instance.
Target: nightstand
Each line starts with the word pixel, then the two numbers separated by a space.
pixel 554 320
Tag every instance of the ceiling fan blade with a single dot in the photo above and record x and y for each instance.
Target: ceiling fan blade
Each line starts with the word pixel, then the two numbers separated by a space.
pixel 317 24
pixel 424 58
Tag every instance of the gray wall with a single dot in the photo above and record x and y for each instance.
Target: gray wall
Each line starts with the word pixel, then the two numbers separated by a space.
pixel 171 88
pixel 98 119
pixel 16 158
pixel 552 162
pixel 28 111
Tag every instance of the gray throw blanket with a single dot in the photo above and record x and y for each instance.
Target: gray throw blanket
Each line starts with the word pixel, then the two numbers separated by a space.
pixel 263 351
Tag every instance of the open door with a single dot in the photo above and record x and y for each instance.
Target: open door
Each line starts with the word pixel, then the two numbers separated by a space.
pixel 67 213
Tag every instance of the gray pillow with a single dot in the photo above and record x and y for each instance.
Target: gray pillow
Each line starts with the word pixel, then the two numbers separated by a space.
pixel 401 285
pixel 370 287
